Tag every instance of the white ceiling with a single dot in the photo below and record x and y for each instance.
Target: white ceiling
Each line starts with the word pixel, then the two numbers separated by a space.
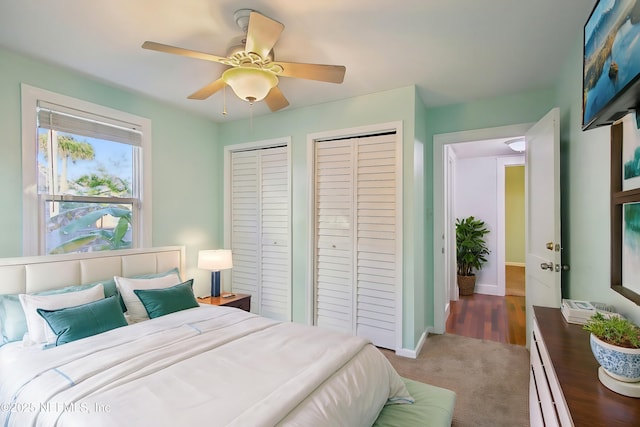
pixel 484 148
pixel 452 50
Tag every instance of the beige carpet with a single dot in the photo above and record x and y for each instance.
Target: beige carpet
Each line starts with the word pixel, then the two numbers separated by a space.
pixel 491 379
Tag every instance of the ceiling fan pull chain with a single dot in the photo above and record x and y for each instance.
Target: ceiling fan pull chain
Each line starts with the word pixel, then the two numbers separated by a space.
pixel 251 116
pixel 224 100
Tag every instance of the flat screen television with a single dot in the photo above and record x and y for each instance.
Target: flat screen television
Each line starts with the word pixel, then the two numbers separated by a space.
pixel 611 62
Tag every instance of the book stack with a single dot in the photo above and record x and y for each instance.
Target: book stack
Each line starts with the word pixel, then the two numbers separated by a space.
pixel 578 312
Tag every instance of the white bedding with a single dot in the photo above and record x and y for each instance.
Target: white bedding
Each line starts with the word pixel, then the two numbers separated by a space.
pixel 203 366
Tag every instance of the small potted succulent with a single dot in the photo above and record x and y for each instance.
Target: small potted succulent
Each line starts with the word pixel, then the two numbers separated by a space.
pixel 615 343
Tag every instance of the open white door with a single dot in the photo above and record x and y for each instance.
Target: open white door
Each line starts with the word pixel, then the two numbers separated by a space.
pixel 543 263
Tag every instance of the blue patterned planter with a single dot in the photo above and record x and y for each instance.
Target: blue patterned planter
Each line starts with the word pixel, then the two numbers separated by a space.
pixel 620 363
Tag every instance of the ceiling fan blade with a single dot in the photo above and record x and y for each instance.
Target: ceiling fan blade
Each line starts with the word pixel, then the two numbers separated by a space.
pixel 276 100
pixel 262 34
pixel 208 90
pixel 323 73
pixel 180 51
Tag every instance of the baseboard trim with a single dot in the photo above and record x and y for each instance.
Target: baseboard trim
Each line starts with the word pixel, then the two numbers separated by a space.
pixel 413 354
pixel 515 264
pixel 487 289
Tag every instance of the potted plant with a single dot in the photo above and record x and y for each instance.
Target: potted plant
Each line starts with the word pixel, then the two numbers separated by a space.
pixel 615 343
pixel 471 251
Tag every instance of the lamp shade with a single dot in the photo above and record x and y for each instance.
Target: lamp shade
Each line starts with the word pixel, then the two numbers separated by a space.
pixel 215 260
pixel 250 84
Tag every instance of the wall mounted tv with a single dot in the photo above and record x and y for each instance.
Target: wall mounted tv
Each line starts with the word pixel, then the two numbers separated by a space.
pixel 611 62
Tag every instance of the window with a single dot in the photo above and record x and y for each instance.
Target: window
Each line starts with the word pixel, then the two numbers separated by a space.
pixel 86 176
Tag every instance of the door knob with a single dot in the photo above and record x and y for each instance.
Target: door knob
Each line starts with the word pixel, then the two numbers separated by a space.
pixel 547 266
pixel 549 246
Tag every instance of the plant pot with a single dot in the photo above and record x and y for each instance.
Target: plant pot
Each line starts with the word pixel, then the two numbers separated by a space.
pixel 466 284
pixel 620 363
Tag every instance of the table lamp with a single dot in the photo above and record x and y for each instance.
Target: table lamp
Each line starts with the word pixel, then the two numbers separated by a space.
pixel 214 261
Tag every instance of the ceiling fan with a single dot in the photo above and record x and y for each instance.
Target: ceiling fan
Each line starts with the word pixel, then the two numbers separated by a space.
pixel 252 69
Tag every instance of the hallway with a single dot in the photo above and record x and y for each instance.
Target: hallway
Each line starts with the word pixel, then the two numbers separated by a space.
pixel 489 317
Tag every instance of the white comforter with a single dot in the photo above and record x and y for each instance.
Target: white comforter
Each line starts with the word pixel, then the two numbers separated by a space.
pixel 213 366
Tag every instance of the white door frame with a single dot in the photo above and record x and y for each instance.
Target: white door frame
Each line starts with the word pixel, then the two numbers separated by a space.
pixel 440 297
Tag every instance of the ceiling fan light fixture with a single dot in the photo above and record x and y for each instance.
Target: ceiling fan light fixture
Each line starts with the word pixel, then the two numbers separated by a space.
pixel 252 71
pixel 250 84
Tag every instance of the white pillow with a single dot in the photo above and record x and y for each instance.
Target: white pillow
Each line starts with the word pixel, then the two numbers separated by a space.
pixel 135 309
pixel 39 330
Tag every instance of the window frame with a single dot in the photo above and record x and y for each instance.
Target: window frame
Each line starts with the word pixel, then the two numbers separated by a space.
pixel 33 203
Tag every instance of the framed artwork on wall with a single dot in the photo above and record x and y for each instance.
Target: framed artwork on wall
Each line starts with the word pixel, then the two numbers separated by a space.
pixel 625 209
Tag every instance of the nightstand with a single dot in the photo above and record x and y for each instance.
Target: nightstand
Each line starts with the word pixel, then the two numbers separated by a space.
pixel 241 301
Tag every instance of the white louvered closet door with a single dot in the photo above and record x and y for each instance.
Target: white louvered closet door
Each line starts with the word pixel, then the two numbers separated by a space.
pixel 334 235
pixel 275 299
pixel 245 225
pixel 357 264
pixel 260 237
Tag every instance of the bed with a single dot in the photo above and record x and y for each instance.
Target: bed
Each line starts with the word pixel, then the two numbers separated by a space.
pixel 195 365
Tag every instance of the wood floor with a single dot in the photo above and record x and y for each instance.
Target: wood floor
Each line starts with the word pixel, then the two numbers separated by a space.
pixel 489 317
pixel 514 278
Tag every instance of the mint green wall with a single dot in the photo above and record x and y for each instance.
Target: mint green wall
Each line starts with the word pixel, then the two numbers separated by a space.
pixel 585 173
pixel 514 214
pixel 512 109
pixel 382 107
pixel 10 157
pixel 184 190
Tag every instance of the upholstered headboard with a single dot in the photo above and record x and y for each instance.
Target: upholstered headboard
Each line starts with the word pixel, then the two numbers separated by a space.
pixel 41 273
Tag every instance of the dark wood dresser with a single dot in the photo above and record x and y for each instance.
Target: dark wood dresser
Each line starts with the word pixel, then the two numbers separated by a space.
pixel 564 388
pixel 241 301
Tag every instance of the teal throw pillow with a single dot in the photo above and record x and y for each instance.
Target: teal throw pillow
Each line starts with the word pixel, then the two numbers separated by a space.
pixel 81 321
pixel 13 323
pixel 158 302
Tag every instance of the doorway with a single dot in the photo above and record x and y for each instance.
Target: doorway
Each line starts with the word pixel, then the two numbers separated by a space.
pixel 514 214
pixel 444 226
pixel 489 184
pixel 543 246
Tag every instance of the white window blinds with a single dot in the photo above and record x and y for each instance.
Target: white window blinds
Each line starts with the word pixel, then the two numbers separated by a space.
pixel 64 119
